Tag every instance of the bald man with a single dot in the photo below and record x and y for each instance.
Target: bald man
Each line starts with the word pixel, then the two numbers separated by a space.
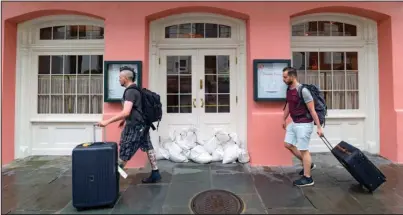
pixel 135 134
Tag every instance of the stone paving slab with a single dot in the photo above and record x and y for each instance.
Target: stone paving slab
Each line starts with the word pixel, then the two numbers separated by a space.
pixel 42 185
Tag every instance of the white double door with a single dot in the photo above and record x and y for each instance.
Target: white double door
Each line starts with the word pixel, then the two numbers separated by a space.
pixel 198 90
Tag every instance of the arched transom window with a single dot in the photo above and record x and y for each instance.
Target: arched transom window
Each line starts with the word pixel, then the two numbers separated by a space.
pixel 71 32
pixel 198 30
pixel 326 62
pixel 324 28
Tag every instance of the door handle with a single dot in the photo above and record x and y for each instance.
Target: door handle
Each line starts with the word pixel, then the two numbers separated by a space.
pixel 202 103
pixel 201 84
pixel 194 103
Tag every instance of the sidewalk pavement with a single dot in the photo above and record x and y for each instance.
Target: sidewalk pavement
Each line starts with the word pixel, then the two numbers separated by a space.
pixel 42 185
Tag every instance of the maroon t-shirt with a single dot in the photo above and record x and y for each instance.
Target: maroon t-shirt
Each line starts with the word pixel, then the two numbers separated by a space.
pixel 298 111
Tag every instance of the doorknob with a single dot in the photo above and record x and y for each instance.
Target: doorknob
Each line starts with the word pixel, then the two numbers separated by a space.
pixel 202 103
pixel 194 103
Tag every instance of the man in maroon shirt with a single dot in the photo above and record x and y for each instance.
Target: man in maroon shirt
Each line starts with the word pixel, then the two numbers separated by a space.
pixel 298 132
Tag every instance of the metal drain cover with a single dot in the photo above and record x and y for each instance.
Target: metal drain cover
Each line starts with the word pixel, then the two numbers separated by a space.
pixel 217 202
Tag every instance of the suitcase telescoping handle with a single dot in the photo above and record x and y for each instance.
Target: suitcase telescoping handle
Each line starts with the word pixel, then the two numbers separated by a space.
pixel 330 147
pixel 94 131
pixel 327 143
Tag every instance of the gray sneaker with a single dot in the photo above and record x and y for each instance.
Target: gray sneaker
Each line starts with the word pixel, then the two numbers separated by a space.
pixel 304 181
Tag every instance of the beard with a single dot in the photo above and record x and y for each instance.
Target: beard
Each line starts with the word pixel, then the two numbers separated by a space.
pixel 288 83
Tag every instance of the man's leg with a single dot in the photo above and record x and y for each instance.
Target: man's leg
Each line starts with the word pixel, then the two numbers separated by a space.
pixel 148 147
pixel 304 132
pixel 290 140
pixel 293 150
pixel 307 162
pixel 153 159
pixel 127 146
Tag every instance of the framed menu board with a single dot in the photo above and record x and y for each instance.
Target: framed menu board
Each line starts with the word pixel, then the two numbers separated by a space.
pixel 268 79
pixel 112 90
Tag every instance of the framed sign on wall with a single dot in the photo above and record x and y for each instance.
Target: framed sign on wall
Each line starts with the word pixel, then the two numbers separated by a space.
pixel 113 90
pixel 268 82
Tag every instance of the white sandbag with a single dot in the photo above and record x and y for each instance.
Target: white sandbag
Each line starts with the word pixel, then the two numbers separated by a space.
pixel 211 145
pixel 231 153
pixel 199 155
pixel 199 138
pixel 173 134
pixel 218 154
pixel 175 152
pixel 222 136
pixel 201 142
pixel 164 140
pixel 172 148
pixel 178 158
pixel 243 156
pixel 234 137
pixel 186 152
pixel 184 145
pixel 161 153
pixel 191 139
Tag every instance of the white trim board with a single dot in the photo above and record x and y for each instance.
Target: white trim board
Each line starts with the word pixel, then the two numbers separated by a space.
pixel 237 42
pixel 28 47
pixel 365 43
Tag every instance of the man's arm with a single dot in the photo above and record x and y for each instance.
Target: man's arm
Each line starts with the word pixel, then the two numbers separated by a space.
pixel 311 105
pixel 286 112
pixel 127 107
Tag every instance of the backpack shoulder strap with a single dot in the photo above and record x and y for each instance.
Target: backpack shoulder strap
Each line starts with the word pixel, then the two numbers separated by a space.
pixel 134 86
pixel 285 105
pixel 303 86
pixel 302 100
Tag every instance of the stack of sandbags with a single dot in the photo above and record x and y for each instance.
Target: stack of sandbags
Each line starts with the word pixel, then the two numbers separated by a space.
pixel 187 145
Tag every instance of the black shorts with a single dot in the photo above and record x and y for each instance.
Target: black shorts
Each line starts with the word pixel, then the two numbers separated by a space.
pixel 132 138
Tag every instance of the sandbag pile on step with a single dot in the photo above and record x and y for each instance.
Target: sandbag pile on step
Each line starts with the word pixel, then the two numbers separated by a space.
pixel 186 145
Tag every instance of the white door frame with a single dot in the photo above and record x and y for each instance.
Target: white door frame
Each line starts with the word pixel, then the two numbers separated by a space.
pixel 237 42
pixel 28 47
pixel 365 43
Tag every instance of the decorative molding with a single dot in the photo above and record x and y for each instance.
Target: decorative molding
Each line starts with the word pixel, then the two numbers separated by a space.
pixel 237 42
pixel 28 48
pixel 366 45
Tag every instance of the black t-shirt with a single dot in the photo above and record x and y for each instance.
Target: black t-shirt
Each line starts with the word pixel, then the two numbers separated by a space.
pixel 134 96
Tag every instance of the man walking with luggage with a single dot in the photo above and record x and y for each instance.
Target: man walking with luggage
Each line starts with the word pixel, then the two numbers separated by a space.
pixel 298 132
pixel 135 133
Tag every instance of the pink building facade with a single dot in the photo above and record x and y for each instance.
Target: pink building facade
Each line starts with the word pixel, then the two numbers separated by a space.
pixel 199 58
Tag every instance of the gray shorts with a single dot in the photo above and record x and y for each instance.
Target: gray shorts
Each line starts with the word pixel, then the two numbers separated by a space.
pixel 299 134
pixel 133 138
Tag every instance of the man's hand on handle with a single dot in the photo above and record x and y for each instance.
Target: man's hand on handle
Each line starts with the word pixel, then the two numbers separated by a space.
pixel 320 131
pixel 102 123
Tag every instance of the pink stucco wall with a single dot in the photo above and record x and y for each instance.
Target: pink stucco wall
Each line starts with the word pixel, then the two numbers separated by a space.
pixel 268 25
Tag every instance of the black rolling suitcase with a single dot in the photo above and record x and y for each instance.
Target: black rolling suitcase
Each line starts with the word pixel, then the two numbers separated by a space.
pixel 357 164
pixel 95 177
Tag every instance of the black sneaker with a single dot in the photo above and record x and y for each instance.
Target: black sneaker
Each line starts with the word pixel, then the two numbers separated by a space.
pixel 304 181
pixel 313 166
pixel 154 177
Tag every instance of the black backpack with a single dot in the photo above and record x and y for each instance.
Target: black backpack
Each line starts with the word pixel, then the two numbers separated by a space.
pixel 319 101
pixel 151 106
